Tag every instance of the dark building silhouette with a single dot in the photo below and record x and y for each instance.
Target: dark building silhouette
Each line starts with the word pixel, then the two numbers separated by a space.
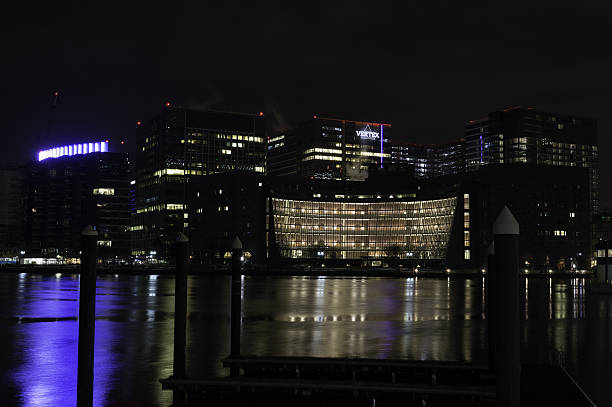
pixel 550 203
pixel 66 192
pixel 323 148
pixel 175 147
pixel 12 213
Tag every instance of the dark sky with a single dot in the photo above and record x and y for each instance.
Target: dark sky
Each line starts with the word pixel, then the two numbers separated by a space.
pixel 425 67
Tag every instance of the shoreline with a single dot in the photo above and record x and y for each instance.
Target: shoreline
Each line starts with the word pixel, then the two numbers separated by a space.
pixel 285 272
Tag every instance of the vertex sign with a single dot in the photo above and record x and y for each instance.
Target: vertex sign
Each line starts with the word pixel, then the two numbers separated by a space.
pixel 366 133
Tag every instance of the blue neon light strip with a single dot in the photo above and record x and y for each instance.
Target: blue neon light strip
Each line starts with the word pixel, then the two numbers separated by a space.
pixel 381 145
pixel 74 149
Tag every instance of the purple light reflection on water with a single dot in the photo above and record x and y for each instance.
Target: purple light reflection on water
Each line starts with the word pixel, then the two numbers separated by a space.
pixel 47 374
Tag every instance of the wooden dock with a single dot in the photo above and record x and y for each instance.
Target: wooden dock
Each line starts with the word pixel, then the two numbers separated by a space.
pixel 300 381
pixel 342 381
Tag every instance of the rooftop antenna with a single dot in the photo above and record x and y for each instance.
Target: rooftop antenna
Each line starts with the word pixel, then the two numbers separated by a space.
pixel 48 130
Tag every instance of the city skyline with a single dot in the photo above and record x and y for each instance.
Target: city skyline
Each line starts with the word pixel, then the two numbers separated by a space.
pixel 426 70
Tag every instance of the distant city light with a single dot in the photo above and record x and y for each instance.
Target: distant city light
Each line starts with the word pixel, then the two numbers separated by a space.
pixel 74 149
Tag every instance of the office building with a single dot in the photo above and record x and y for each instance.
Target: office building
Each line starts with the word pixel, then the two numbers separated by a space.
pixel 529 136
pixel 334 149
pixel 438 222
pixel 73 186
pixel 173 148
pixel 551 205
pixel 293 219
pixel 430 160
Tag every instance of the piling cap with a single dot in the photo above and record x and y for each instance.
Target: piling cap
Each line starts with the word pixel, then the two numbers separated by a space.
pixel 491 249
pixel 182 238
pixel 506 223
pixel 236 244
pixel 89 231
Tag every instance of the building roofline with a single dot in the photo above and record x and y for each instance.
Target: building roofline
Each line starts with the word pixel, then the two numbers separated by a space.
pixel 316 117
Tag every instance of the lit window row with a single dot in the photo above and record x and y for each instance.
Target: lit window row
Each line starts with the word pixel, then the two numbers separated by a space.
pixel 240 137
pixel 323 150
pixel 322 157
pixel 169 171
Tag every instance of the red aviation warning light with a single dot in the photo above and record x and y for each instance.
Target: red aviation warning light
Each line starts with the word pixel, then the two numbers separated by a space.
pixel 138 123
pixel 122 142
pixel 261 113
pixel 167 104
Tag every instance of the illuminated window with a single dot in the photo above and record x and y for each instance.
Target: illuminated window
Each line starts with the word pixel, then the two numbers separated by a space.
pixel 572 214
pixel 174 207
pixel 104 191
pixel 168 171
pixel 105 243
pixel 466 254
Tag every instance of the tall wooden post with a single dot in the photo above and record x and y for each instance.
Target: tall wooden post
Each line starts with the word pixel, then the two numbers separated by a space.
pixel 492 317
pixel 236 306
pixel 180 314
pixel 87 317
pixel 606 263
pixel 506 296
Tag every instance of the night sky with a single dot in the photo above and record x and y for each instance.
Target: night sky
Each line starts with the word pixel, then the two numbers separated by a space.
pixel 425 67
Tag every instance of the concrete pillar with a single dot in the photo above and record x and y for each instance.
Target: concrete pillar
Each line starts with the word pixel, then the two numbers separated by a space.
pixel 87 317
pixel 506 297
pixel 236 306
pixel 180 314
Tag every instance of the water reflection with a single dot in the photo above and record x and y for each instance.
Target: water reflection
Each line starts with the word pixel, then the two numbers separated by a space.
pixel 412 318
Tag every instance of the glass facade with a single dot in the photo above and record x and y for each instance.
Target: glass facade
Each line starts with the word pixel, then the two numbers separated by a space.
pixel 357 230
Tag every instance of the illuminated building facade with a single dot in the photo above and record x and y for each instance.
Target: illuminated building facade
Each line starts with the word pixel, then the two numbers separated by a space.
pixel 173 148
pixel 351 229
pixel 334 149
pixel 292 219
pixel 430 160
pixel 66 192
pixel 528 136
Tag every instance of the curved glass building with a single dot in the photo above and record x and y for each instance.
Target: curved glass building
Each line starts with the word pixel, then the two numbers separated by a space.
pixel 357 230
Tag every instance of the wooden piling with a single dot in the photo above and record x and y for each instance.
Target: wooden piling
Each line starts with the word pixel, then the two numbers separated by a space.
pixel 236 305
pixel 180 314
pixel 506 297
pixel 492 318
pixel 87 317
